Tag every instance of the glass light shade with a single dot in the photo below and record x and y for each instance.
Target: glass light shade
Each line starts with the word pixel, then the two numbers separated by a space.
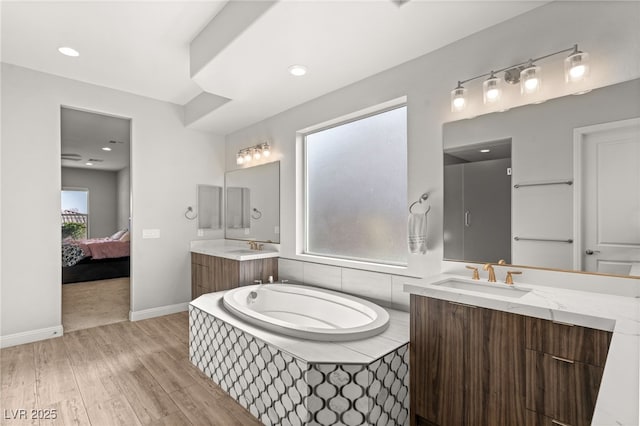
pixel 266 150
pixel 239 159
pixel 576 67
pixel 491 90
pixel 530 80
pixel 256 154
pixel 458 99
pixel 247 157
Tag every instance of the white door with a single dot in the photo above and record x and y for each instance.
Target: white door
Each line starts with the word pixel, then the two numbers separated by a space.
pixel 609 183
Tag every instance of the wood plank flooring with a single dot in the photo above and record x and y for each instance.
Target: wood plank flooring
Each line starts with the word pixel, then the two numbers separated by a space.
pixel 94 303
pixel 127 373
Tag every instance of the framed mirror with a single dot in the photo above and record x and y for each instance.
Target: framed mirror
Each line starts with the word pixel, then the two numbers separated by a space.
pixel 209 201
pixel 568 177
pixel 253 203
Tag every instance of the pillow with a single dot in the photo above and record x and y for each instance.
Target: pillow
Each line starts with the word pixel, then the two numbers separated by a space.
pixel 125 236
pixel 118 235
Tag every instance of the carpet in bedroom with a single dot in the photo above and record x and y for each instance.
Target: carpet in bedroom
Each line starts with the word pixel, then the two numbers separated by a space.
pixel 94 303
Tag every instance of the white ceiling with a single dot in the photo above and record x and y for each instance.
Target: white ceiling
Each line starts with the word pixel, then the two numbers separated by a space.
pixel 84 134
pixel 143 47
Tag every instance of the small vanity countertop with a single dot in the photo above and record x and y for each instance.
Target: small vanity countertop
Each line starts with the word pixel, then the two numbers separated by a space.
pixel 619 395
pixel 364 351
pixel 233 249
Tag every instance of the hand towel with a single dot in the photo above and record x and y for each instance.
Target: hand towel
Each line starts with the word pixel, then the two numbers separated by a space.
pixel 417 233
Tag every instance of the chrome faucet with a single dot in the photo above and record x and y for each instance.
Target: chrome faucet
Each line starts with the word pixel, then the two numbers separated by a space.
pixel 492 274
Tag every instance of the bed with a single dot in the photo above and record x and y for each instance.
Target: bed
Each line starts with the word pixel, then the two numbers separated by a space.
pixel 95 259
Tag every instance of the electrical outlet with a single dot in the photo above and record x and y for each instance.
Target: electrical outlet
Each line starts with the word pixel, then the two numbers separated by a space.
pixel 200 233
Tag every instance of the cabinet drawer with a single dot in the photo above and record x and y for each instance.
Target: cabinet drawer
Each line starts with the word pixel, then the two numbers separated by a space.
pixel 572 342
pixel 562 389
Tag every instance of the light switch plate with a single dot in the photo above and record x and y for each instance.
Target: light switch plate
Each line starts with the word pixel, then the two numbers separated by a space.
pixel 150 233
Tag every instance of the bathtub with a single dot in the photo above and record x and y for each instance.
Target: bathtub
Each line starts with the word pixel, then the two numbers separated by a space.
pixel 306 312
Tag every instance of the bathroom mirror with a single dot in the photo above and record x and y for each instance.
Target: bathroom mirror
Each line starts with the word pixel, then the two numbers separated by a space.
pixel 253 203
pixel 209 207
pixel 548 217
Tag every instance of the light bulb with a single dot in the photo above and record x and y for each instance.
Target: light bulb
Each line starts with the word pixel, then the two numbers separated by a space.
pixel 247 157
pixel 491 89
pixel 576 66
pixel 239 159
pixel 256 154
pixel 266 151
pixel 530 80
pixel 458 100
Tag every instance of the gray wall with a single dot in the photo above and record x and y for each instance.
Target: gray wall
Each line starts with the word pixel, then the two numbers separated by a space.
pixel 607 30
pixel 103 200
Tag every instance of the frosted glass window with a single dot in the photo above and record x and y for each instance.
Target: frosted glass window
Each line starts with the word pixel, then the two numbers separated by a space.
pixel 356 189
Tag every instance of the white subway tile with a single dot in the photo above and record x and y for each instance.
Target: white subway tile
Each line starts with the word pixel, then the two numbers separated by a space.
pixel 290 270
pixel 322 275
pixel 372 285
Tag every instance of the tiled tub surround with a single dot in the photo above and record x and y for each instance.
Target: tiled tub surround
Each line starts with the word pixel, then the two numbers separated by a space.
pixel 284 380
pixel 619 395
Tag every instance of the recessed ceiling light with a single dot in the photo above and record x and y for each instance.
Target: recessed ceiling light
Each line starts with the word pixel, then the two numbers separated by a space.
pixel 485 150
pixel 89 164
pixel 69 51
pixel 106 148
pixel 297 70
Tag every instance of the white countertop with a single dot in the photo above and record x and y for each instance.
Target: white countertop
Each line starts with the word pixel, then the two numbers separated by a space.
pixel 618 400
pixel 233 249
pixel 362 351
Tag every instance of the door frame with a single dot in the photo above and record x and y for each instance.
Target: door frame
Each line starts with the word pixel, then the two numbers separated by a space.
pixel 579 134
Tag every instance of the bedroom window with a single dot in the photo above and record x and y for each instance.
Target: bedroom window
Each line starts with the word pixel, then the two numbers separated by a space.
pixel 75 213
pixel 356 189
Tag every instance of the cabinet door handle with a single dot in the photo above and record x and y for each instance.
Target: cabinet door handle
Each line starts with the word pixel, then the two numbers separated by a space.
pixel 467 218
pixel 463 304
pixel 557 358
pixel 555 422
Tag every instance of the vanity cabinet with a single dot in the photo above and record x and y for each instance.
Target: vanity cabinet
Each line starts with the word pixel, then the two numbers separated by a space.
pixel 472 365
pixel 467 364
pixel 211 273
pixel 565 364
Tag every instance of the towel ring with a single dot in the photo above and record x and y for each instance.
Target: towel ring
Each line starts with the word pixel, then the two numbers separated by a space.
pixel 257 214
pixel 422 198
pixel 190 214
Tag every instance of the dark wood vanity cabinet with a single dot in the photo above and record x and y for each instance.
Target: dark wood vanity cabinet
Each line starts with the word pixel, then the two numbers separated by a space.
pixel 565 364
pixel 472 365
pixel 211 273
pixel 467 365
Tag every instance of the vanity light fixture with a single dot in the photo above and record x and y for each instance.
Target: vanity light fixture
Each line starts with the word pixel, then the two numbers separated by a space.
pixel 256 152
pixel 527 74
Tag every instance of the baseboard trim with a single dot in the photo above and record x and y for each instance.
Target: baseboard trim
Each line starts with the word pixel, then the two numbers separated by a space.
pixel 158 312
pixel 30 336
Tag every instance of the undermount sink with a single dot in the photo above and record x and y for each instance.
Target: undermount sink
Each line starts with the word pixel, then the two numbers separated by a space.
pixel 245 251
pixel 484 287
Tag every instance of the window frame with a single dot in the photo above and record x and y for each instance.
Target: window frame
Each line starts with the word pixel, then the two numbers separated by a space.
pixel 350 118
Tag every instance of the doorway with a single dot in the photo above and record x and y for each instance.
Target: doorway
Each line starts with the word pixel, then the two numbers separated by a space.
pixel 607 177
pixel 95 218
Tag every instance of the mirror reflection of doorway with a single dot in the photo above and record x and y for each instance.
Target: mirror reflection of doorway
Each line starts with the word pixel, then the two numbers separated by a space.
pixel 95 218
pixel 608 188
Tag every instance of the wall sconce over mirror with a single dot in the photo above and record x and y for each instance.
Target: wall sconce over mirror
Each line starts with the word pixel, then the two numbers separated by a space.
pixel 528 74
pixel 256 152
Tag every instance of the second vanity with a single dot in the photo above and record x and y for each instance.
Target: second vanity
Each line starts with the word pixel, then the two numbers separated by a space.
pixel 218 265
pixel 529 354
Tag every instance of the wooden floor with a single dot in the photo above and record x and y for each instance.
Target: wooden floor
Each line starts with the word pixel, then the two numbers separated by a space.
pixel 128 373
pixel 94 303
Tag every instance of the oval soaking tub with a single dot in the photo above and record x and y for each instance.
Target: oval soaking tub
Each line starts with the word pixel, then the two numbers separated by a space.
pixel 306 312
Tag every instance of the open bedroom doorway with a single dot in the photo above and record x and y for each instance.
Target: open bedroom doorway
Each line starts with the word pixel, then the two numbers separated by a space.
pixel 95 200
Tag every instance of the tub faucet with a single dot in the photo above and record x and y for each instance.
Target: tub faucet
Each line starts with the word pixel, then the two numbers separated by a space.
pixel 492 274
